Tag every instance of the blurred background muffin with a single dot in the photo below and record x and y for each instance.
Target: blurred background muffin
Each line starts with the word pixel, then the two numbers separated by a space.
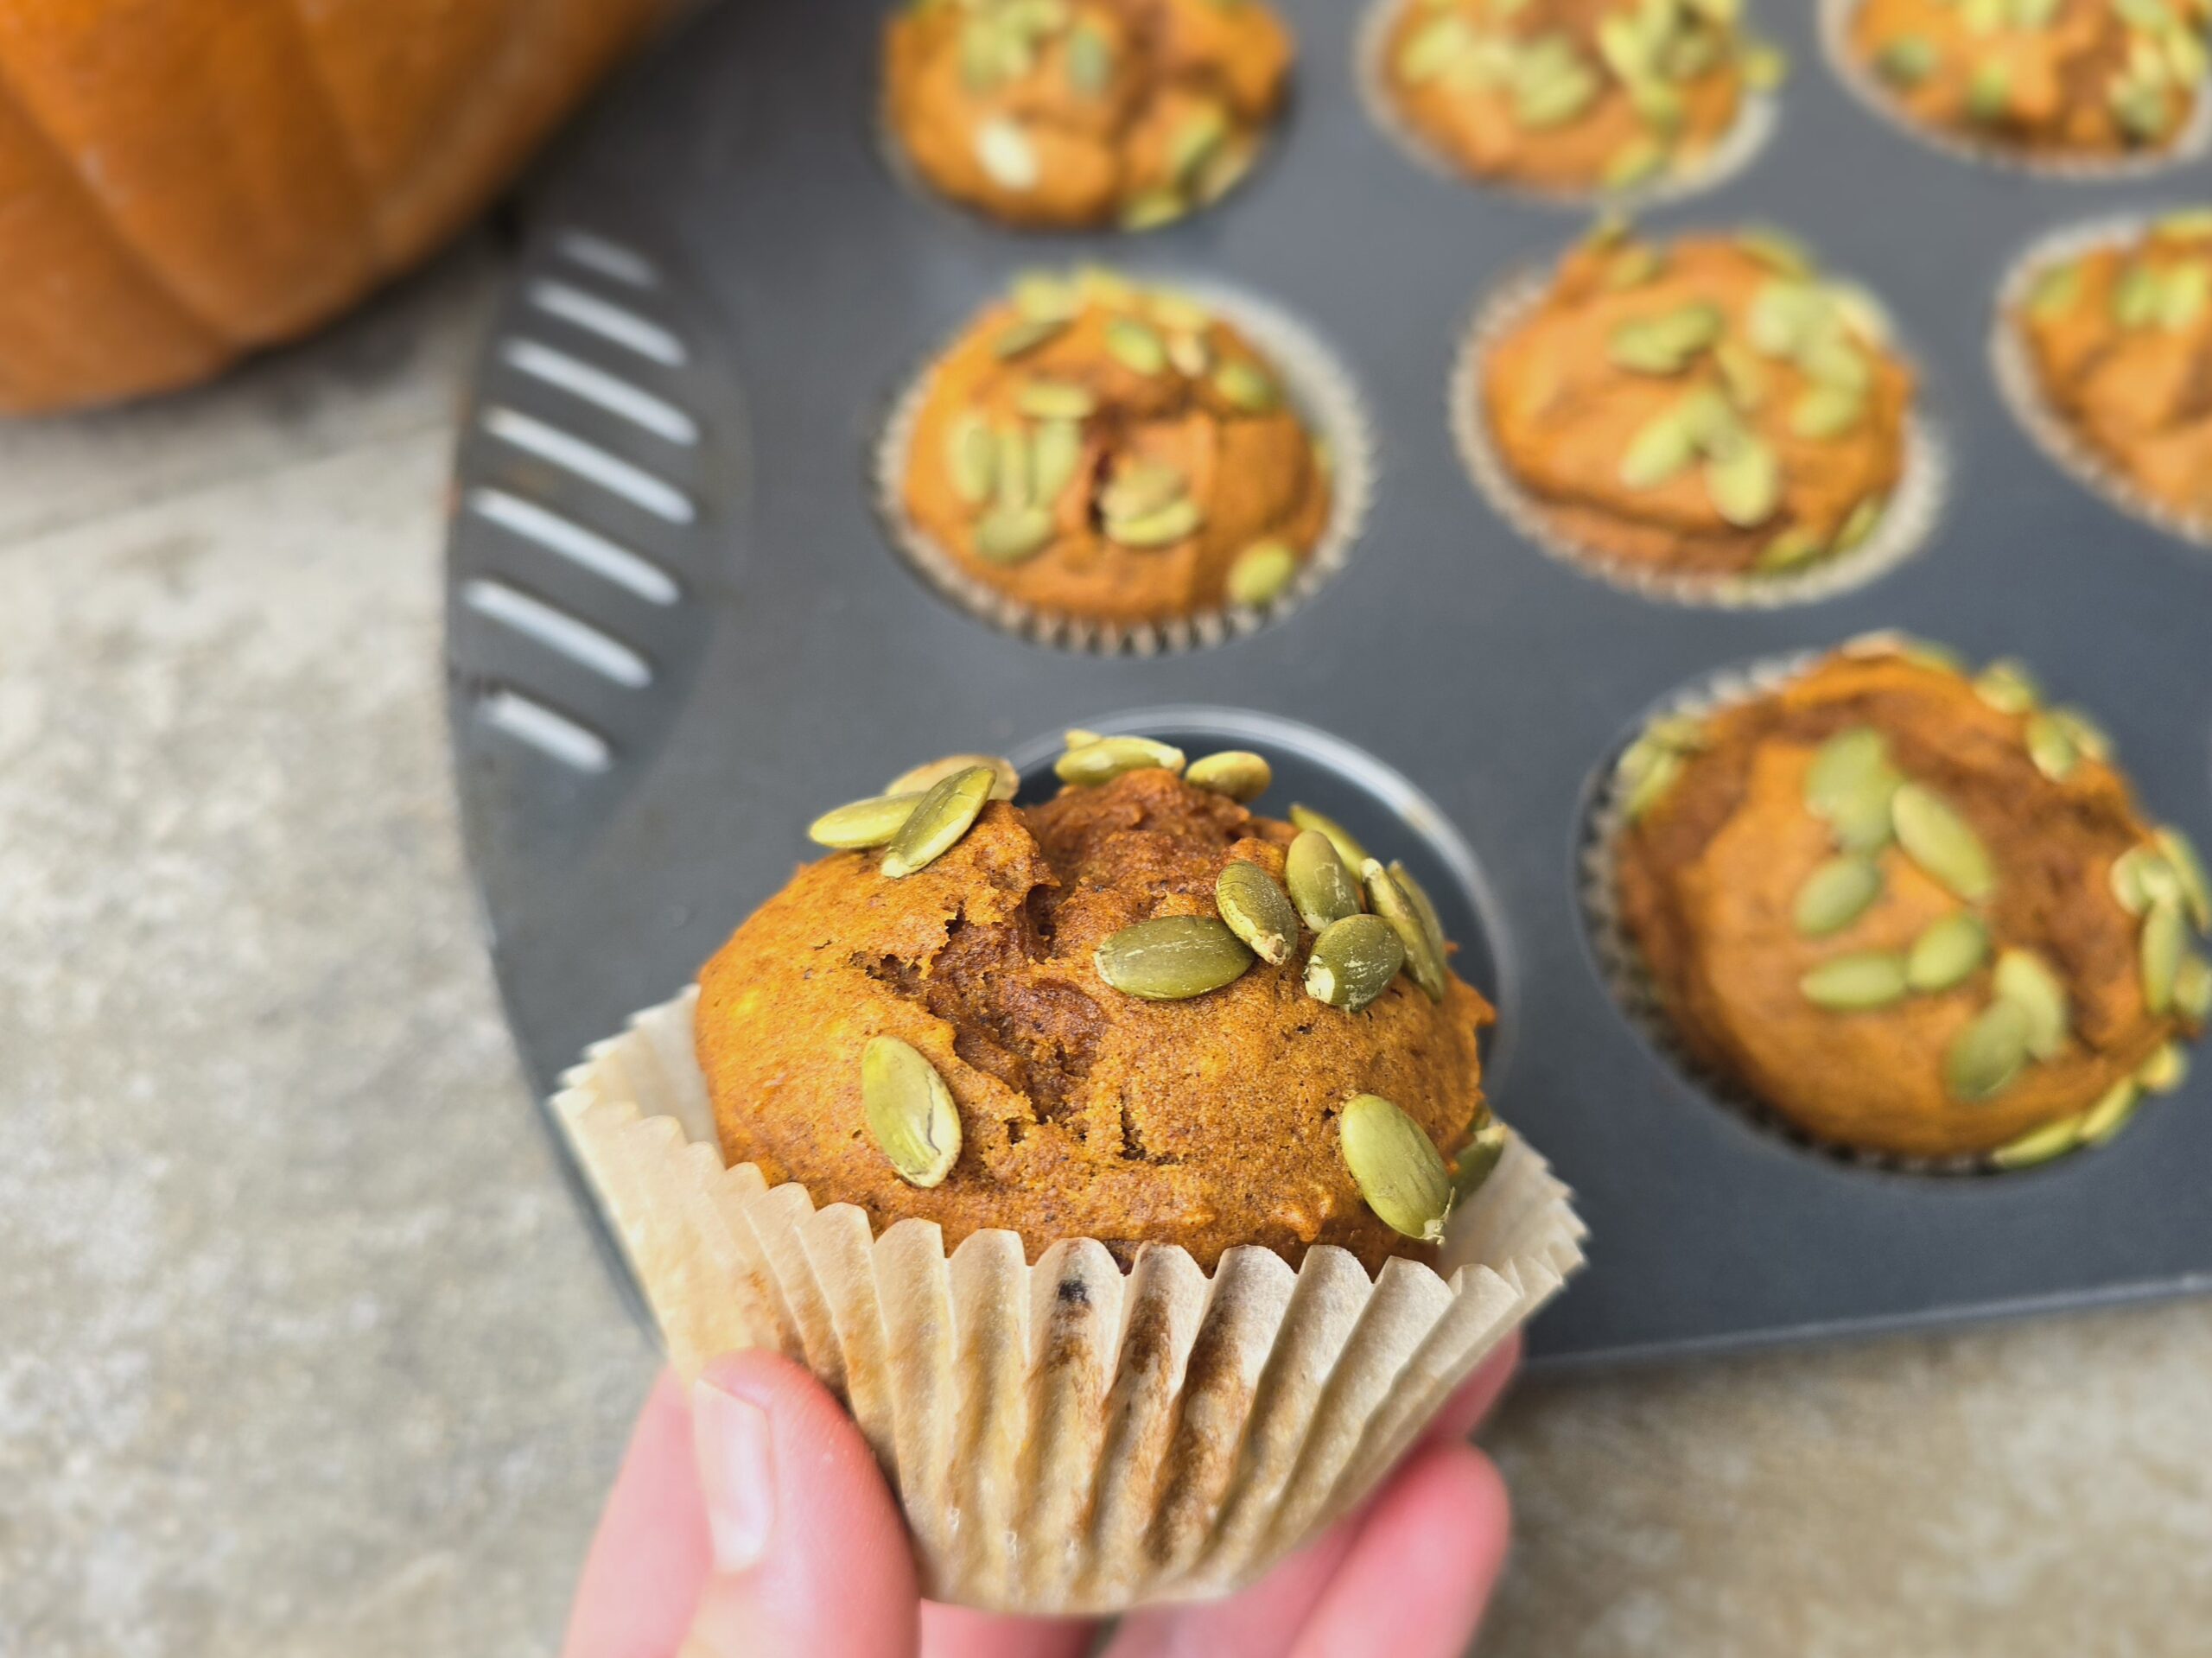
pixel 1912 912
pixel 1064 114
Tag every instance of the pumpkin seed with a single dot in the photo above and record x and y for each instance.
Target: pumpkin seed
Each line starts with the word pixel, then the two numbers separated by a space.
pixel 865 822
pixel 1245 387
pixel 1419 894
pixel 1632 267
pixel 1320 886
pixel 1857 982
pixel 1792 549
pixel 2051 747
pixel 2189 874
pixel 2040 1145
pixel 1906 60
pixel 1985 1057
pixel 1054 453
pixel 1006 782
pixel 1865 514
pixel 1778 250
pixel 1010 477
pixel 2024 977
pixel 1196 142
pixel 1475 1162
pixel 2165 1070
pixel 938 820
pixel 2182 296
pixel 1398 1171
pixel 1946 954
pixel 1940 840
pixel 2055 292
pixel 1009 537
pixel 1663 450
pixel 1636 161
pixel 2135 297
pixel 1346 843
pixel 1173 958
pixel 1164 527
pixel 1089 60
pixel 1850 784
pixel 1424 948
pixel 1649 773
pixel 1136 346
pixel 1260 573
pixel 1353 962
pixel 1666 343
pixel 1744 485
pixel 1435 47
pixel 2164 938
pixel 1989 92
pixel 1174 311
pixel 2112 1111
pixel 971 458
pixel 1140 488
pixel 1103 759
pixel 2140 877
pixel 1148 209
pixel 1020 338
pixel 1047 296
pixel 1550 92
pixel 1076 736
pixel 2088 736
pixel 1256 910
pixel 1742 373
pixel 2193 989
pixel 1784 315
pixel 1826 412
pixel 1056 400
pixel 1237 772
pixel 1005 154
pixel 1837 894
pixel 910 1111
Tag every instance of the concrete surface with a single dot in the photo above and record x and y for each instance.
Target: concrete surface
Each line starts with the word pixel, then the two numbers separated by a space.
pixel 300 1349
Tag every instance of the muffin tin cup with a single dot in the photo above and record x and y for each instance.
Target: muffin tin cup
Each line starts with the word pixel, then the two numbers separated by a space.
pixel 1732 153
pixel 1328 403
pixel 2012 366
pixel 1066 1438
pixel 2194 141
pixel 1906 523
pixel 1621 964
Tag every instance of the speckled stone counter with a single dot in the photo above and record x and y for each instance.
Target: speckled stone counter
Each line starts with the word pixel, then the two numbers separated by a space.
pixel 301 1349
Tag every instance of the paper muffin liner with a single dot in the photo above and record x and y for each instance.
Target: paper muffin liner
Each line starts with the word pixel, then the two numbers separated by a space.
pixel 1065 1437
pixel 2192 142
pixel 1734 150
pixel 2012 365
pixel 1907 520
pixel 1622 966
pixel 1328 404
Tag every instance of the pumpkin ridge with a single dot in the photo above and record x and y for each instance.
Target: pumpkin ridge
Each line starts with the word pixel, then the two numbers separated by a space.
pixel 344 140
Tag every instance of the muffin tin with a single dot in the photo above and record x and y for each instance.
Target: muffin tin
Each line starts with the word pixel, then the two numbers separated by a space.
pixel 677 629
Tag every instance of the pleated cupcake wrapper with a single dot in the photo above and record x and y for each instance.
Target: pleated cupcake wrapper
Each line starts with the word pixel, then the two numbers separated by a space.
pixel 1907 519
pixel 2013 366
pixel 2190 143
pixel 1732 152
pixel 1064 1438
pixel 1327 402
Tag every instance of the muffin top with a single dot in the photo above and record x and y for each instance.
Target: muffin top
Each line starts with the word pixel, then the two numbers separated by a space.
pixel 1571 94
pixel 1093 448
pixel 1714 406
pixel 1913 912
pixel 1049 1026
pixel 1073 113
pixel 2084 78
pixel 2120 338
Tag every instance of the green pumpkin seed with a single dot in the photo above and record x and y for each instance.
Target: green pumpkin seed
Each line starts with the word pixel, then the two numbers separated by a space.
pixel 1857 982
pixel 2136 296
pixel 1985 1057
pixel 1837 894
pixel 1550 93
pixel 1663 450
pixel 2189 874
pixel 1826 412
pixel 1090 61
pixel 1136 346
pixel 2040 1145
pixel 1260 573
pixel 1667 343
pixel 1792 549
pixel 1745 486
pixel 865 822
pixel 938 821
pixel 1845 766
pixel 1475 1162
pixel 910 1111
pixel 1435 48
pixel 2051 747
pixel 2193 989
pixel 1346 843
pixel 1940 840
pixel 2024 977
pixel 1632 267
pixel 1164 527
pixel 1173 958
pixel 1011 469
pixel 1008 537
pixel 1055 400
pixel 1785 314
pixel 1237 772
pixel 1054 453
pixel 1859 524
pixel 1006 782
pixel 1353 962
pixel 1140 488
pixel 1424 948
pixel 1989 92
pixel 1103 759
pixel 1076 736
pixel 1906 60
pixel 1946 954
pixel 2165 937
pixel 971 458
pixel 1149 209
pixel 1196 142
pixel 1320 886
pixel 2089 738
pixel 1020 338
pixel 2165 1070
pixel 2184 295
pixel 1419 894
pixel 1398 1171
pixel 1245 387
pixel 1047 296
pixel 2114 1110
pixel 2055 292
pixel 2008 687
pixel 1256 910
pixel 1648 771
pixel 1638 162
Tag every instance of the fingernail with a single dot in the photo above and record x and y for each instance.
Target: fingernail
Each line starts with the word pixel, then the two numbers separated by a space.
pixel 737 1472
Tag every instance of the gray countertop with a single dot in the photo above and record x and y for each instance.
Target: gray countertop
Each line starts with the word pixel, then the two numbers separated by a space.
pixel 301 1349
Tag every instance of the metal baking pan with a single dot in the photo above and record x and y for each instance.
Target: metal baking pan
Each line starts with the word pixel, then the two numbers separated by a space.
pixel 677 629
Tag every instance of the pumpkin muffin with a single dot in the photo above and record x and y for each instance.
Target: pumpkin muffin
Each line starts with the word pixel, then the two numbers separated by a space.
pixel 1913 912
pixel 2085 79
pixel 1103 1016
pixel 1068 114
pixel 1570 95
pixel 1091 449
pixel 1713 409
pixel 2118 340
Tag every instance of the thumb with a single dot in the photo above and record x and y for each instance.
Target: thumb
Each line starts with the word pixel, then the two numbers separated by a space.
pixel 810 1558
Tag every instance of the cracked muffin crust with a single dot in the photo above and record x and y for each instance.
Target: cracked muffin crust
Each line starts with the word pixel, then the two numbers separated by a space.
pixel 1206 1121
pixel 1068 114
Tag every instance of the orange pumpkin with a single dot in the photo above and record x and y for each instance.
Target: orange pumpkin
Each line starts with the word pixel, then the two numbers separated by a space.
pixel 182 180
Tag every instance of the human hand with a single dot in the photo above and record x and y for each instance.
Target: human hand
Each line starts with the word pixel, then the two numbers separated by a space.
pixel 752 1522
